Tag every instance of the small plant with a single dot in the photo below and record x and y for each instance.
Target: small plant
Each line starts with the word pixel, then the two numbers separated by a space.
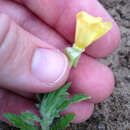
pixel 49 107
pixel 88 30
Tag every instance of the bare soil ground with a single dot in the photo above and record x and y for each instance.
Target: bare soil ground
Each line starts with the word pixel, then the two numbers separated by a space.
pixel 113 113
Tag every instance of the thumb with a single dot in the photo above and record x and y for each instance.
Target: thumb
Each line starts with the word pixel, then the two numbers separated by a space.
pixel 27 63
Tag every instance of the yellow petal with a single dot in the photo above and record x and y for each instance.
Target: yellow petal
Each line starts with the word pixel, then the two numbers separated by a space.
pixel 89 29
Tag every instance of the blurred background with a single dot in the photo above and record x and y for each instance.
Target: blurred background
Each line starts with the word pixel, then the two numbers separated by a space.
pixel 113 113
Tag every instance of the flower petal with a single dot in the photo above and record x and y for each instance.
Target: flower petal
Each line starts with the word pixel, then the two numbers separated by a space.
pixel 89 29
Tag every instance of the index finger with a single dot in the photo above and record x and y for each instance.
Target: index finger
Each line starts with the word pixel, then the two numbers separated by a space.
pixel 61 15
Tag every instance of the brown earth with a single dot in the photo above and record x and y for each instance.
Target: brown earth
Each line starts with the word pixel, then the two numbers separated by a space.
pixel 113 113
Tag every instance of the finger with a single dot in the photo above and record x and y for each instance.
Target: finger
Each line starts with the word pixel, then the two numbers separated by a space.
pixel 61 16
pixel 27 63
pixel 82 111
pixel 29 22
pixel 8 102
pixel 92 78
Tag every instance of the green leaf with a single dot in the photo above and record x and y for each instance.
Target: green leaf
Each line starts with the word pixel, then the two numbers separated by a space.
pixel 15 119
pixel 52 100
pixel 73 99
pixel 29 117
pixel 55 102
pixel 50 103
pixel 79 97
pixel 25 121
pixel 63 122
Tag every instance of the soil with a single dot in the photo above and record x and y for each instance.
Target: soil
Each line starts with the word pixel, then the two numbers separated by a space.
pixel 113 113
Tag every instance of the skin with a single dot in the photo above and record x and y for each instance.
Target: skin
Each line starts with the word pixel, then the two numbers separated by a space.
pixel 39 25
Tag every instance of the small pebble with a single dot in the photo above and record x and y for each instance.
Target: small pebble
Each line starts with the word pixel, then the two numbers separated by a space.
pixel 101 126
pixel 127 77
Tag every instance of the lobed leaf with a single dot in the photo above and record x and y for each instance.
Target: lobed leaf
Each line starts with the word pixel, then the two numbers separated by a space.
pixel 63 122
pixel 20 121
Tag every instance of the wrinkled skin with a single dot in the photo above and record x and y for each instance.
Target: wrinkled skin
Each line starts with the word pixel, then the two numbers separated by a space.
pixel 37 29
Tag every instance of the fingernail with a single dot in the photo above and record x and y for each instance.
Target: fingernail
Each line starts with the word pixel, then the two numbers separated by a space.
pixel 49 66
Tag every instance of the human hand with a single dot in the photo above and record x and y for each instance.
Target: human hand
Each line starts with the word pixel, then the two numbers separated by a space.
pixel 30 64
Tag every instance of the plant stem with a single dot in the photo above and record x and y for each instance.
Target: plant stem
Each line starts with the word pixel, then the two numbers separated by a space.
pixel 44 125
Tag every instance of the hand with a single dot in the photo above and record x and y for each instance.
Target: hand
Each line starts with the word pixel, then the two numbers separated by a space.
pixel 31 32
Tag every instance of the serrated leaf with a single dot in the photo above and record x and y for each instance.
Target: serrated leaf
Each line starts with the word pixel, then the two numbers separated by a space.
pixel 50 103
pixel 54 102
pixel 15 119
pixel 73 99
pixel 53 99
pixel 19 122
pixel 30 117
pixel 78 98
pixel 63 122
pixel 64 105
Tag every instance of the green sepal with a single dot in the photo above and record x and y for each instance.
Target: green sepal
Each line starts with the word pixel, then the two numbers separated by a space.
pixel 73 53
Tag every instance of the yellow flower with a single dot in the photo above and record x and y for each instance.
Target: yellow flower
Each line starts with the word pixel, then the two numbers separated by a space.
pixel 89 29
